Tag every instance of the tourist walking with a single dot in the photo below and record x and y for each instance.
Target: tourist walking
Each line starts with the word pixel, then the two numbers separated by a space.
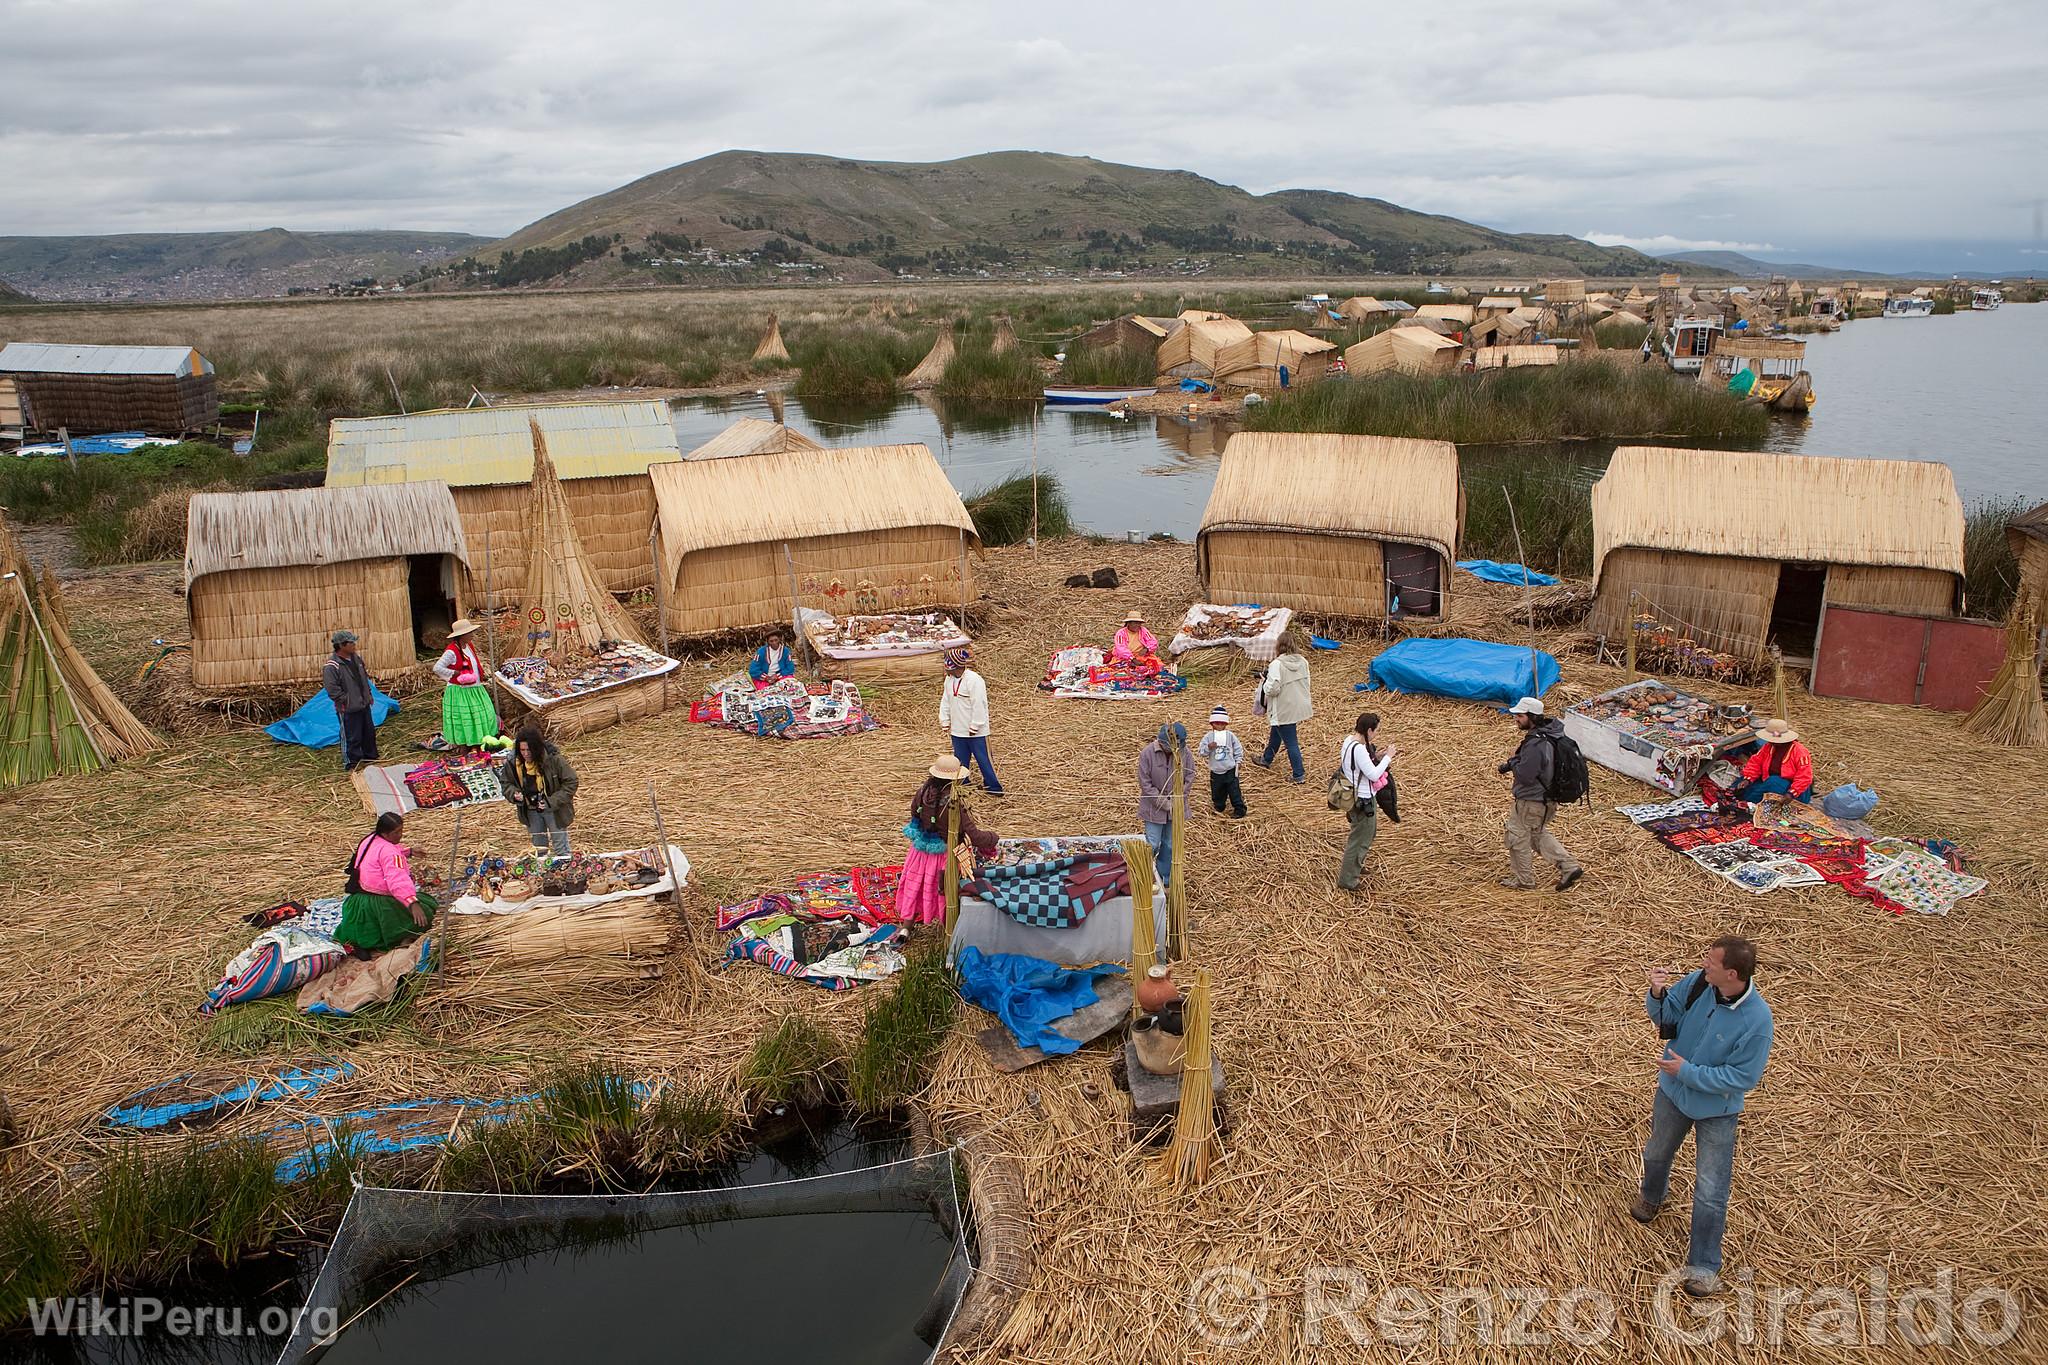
pixel 963 710
pixel 541 786
pixel 382 907
pixel 468 715
pixel 1285 693
pixel 1225 752
pixel 1717 1036
pixel 1361 764
pixel 921 888
pixel 1155 792
pixel 1537 792
pixel 346 679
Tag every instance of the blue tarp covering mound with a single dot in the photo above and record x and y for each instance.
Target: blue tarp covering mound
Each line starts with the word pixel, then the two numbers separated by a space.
pixel 1477 670
pixel 1029 994
pixel 316 725
pixel 1490 571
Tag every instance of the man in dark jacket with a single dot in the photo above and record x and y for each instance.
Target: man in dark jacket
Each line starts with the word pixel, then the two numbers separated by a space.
pixel 1528 831
pixel 347 681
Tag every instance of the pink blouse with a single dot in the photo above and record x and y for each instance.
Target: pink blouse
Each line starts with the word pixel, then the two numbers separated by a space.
pixel 385 870
pixel 1127 644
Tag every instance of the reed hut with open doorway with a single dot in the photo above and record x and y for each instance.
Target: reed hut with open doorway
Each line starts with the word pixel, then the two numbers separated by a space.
pixel 1742 549
pixel 865 529
pixel 485 455
pixel 269 576
pixel 1338 526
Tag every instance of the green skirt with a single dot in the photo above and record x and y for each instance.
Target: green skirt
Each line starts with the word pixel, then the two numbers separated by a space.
pixel 373 922
pixel 468 715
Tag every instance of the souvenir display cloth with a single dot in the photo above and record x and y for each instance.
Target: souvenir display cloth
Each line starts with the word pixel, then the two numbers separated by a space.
pixel 357 984
pixel 875 888
pixel 1657 810
pixel 284 957
pixel 787 708
pixel 440 789
pixel 1056 893
pixel 579 882
pixel 1029 994
pixel 886 636
pixel 1925 884
pixel 393 788
pixel 1081 672
pixel 191 1099
pixel 1012 852
pixel 1255 630
pixel 832 952
pixel 1800 842
pixel 537 680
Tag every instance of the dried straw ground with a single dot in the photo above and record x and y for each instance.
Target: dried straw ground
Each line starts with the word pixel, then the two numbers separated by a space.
pixel 1439 1083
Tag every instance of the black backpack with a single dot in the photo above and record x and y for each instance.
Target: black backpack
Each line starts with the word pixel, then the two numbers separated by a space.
pixel 1569 779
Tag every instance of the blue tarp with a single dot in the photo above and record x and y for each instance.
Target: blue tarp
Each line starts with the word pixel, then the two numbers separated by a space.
pixel 1489 571
pixel 1029 994
pixel 148 1109
pixel 1318 642
pixel 1196 386
pixel 316 725
pixel 1477 670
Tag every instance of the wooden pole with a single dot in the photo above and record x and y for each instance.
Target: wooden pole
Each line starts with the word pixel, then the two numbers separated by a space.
pixel 1034 485
pixel 64 435
pixel 490 634
pixel 1528 599
pixel 1632 632
pixel 952 860
pixel 654 553
pixel 1176 885
pixel 802 640
pixel 396 397
pixel 668 859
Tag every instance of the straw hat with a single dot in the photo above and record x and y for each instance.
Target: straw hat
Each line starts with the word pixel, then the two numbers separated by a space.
pixel 1137 616
pixel 1776 732
pixel 462 627
pixel 947 769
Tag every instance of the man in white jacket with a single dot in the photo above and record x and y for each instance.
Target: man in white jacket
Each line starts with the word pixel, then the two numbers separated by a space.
pixel 963 710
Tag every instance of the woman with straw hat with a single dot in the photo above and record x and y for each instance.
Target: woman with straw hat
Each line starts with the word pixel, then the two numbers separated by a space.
pixel 921 892
pixel 468 715
pixel 1134 644
pixel 1781 766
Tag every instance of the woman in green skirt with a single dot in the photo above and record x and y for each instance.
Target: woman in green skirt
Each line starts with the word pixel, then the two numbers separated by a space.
pixel 383 907
pixel 468 715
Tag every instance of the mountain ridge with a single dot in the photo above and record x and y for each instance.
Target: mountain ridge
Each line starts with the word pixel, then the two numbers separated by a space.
pixel 171 265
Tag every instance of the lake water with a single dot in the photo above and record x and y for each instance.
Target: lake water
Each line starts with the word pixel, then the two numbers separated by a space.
pixel 1962 389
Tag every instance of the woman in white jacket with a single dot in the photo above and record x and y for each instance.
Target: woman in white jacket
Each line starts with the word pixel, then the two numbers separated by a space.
pixel 1287 705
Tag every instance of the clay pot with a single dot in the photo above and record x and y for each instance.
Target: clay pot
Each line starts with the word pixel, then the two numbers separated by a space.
pixel 1159 1052
pixel 1156 989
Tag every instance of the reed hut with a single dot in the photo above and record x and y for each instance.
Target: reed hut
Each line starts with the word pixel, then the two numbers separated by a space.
pixel 1363 308
pixel 1411 350
pixel 2028 534
pixel 269 576
pixel 1493 305
pixel 1514 357
pixel 1005 338
pixel 1500 330
pixel 1271 360
pixel 485 455
pixel 1742 549
pixel 1461 315
pixel 770 346
pixel 1192 351
pixel 87 389
pixel 1131 332
pixel 1332 525
pixel 752 436
pixel 932 368
pixel 874 528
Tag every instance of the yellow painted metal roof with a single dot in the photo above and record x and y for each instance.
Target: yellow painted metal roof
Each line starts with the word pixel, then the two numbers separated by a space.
pixel 472 447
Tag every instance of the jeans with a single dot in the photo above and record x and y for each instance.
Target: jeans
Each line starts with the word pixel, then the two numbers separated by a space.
pixel 1775 786
pixel 1161 839
pixel 1714 1160
pixel 1365 827
pixel 1528 833
pixel 971 750
pixel 548 837
pixel 1277 735
pixel 358 738
pixel 1225 789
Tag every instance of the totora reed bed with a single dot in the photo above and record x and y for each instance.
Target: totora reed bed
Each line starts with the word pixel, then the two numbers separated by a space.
pixel 1438 1084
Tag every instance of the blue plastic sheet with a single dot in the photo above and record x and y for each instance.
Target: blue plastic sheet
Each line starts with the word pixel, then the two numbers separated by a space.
pixel 1196 386
pixel 145 1108
pixel 316 725
pixel 1029 994
pixel 1491 571
pixel 1475 670
pixel 1318 642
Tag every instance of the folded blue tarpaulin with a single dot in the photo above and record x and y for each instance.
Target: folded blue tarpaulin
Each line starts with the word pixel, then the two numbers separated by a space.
pixel 1477 670
pixel 1492 572
pixel 1029 994
pixel 1318 642
pixel 1196 386
pixel 316 725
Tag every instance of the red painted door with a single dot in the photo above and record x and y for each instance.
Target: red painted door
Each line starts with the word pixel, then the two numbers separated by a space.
pixel 1962 659
pixel 1869 655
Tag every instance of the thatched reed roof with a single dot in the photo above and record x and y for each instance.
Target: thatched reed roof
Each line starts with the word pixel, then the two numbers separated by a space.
pixel 793 495
pixel 471 447
pixel 1416 350
pixel 752 436
pixel 1513 357
pixel 1460 313
pixel 1753 505
pixel 1263 351
pixel 771 347
pixel 2033 524
pixel 301 526
pixel 932 368
pixel 1200 341
pixel 1382 487
pixel 1361 306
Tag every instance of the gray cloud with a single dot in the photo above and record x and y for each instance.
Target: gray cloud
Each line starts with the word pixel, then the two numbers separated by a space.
pixel 1829 123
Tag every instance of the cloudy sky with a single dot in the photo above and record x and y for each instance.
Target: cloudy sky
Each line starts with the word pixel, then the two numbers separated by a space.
pixel 1852 132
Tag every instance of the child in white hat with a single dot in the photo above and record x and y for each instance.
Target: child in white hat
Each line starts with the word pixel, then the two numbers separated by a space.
pixel 1225 752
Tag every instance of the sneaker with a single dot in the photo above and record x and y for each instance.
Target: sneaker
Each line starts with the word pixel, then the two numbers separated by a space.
pixel 1642 1210
pixel 1701 1283
pixel 1511 884
pixel 1570 879
pixel 1262 763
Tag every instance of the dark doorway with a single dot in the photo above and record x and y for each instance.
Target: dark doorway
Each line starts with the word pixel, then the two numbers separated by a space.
pixel 1795 615
pixel 1414 579
pixel 433 610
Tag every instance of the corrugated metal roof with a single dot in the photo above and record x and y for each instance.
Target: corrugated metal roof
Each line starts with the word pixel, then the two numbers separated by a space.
pixel 38 357
pixel 471 447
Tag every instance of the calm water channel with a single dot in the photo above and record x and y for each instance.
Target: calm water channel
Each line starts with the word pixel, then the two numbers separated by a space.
pixel 1961 389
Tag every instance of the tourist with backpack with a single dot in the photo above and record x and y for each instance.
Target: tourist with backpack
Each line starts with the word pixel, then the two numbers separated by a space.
pixel 1357 788
pixel 1549 771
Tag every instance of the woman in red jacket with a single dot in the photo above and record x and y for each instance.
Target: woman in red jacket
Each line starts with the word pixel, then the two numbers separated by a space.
pixel 1780 766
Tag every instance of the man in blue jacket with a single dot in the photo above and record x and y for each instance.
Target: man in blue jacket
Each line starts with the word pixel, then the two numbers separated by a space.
pixel 1717 1032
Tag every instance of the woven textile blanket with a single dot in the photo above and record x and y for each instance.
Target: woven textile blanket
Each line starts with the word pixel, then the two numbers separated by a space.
pixel 1925 884
pixel 1055 894
pixel 759 952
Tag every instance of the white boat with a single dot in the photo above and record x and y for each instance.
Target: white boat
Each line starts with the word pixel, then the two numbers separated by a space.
pixel 1690 339
pixel 1984 300
pixel 1908 306
pixel 1095 395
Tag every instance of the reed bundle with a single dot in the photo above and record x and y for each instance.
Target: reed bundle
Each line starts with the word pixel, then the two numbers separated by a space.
pixel 2011 712
pixel 932 368
pixel 1195 1144
pixel 770 346
pixel 567 603
pixel 1144 929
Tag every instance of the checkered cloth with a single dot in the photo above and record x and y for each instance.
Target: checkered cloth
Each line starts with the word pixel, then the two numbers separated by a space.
pixel 1056 893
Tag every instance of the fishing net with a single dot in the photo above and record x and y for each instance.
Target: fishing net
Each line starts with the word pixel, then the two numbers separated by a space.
pixel 430 1234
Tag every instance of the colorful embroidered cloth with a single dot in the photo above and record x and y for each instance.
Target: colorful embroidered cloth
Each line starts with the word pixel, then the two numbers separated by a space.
pixel 1082 671
pixel 875 888
pixel 440 789
pixel 1056 894
pixel 1925 884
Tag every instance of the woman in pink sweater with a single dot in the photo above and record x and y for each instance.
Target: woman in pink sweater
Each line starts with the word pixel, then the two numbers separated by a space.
pixel 383 907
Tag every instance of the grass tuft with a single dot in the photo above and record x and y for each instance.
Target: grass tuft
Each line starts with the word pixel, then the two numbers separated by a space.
pixel 267 1026
pixel 902 1034
pixel 155 1212
pixel 1991 573
pixel 39 1256
pixel 977 374
pixel 796 1062
pixel 855 362
pixel 1108 365
pixel 1002 512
